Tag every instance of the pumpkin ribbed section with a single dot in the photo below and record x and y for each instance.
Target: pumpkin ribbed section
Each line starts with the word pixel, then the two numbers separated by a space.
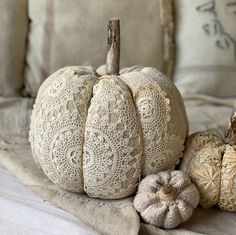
pixel 113 142
pixel 58 123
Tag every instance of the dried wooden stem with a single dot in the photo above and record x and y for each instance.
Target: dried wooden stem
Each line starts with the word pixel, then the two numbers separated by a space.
pixel 167 193
pixel 113 54
pixel 167 189
pixel 231 134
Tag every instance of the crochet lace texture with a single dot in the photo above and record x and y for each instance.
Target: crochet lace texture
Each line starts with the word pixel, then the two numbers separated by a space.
pixel 211 165
pixel 163 140
pixel 100 135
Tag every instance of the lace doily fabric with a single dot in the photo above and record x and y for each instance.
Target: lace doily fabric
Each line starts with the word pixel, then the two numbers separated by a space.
pixel 113 142
pixel 211 165
pixel 100 135
pixel 227 199
pixel 58 122
pixel 164 131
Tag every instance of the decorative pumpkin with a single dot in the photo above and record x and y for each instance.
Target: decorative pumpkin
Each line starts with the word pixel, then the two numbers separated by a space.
pixel 210 162
pixel 166 199
pixel 100 134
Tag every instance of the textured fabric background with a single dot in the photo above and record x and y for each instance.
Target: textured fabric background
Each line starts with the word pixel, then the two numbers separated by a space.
pixel 15 113
pixel 206 47
pixel 13 25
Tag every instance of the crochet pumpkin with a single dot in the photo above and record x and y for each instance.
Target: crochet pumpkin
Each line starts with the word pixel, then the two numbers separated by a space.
pixel 101 134
pixel 210 161
pixel 166 199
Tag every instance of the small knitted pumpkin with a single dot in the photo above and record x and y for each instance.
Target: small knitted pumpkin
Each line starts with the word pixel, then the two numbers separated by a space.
pixel 210 162
pixel 166 199
pixel 101 134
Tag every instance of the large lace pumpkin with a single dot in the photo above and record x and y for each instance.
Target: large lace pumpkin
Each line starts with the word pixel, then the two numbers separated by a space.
pixel 210 162
pixel 101 134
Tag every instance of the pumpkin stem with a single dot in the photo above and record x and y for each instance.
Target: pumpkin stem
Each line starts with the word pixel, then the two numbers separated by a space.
pixel 113 54
pixel 167 193
pixel 167 189
pixel 231 134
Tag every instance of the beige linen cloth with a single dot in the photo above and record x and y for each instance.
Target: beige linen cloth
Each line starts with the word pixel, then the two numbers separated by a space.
pixel 119 216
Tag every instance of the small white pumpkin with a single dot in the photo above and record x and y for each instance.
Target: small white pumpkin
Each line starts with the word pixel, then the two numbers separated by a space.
pixel 166 199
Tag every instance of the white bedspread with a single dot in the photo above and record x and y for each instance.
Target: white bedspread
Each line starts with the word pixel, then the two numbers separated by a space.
pixel 23 212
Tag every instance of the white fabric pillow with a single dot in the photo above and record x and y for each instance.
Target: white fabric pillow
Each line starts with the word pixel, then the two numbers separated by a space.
pixel 206 47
